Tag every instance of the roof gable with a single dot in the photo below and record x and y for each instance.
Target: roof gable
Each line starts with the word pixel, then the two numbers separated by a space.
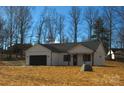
pixel 80 49
pixel 92 44
pixel 38 47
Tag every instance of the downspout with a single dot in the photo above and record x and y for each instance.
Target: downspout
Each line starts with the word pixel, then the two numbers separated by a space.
pixel 92 58
pixel 51 58
pixel 69 60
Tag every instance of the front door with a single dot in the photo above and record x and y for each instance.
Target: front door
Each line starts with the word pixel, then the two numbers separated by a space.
pixel 74 60
pixel 87 58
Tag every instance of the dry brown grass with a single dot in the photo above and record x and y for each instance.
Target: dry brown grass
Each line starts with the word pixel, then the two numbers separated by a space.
pixel 111 74
pixel 13 63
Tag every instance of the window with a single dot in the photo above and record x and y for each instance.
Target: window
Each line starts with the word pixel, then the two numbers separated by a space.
pixel 86 57
pixel 66 57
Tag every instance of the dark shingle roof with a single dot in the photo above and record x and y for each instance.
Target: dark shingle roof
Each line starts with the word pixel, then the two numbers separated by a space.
pixel 92 44
pixel 19 47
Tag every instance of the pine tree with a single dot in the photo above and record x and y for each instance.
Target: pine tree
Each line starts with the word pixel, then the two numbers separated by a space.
pixel 101 33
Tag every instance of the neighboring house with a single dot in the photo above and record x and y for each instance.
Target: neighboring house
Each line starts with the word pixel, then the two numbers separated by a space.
pixel 19 49
pixel 116 54
pixel 90 52
pixel 112 55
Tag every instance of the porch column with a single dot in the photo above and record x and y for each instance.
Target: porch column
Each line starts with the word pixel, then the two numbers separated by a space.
pixel 82 59
pixel 71 62
pixel 92 58
pixel 79 59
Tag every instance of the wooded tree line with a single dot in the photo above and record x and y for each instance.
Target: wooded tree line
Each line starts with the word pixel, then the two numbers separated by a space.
pixel 14 25
pixel 104 23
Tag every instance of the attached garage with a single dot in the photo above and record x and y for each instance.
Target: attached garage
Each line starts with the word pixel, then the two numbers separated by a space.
pixel 38 60
pixel 38 55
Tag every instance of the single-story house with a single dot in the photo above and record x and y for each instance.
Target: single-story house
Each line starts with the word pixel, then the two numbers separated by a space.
pixel 89 52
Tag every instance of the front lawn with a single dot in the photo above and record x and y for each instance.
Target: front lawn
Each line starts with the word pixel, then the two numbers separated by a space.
pixel 111 74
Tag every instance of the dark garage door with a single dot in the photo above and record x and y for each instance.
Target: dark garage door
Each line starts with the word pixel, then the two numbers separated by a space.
pixel 38 60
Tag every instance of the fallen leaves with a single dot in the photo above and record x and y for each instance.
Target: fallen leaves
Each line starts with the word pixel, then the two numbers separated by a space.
pixel 112 74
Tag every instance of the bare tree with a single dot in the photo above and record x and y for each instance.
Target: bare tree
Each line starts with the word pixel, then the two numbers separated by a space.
pixel 75 15
pixel 51 25
pixel 23 21
pixel 61 28
pixel 2 33
pixel 120 13
pixel 90 16
pixel 40 30
pixel 10 26
pixel 10 12
pixel 45 29
pixel 45 32
pixel 121 37
pixel 23 24
pixel 109 19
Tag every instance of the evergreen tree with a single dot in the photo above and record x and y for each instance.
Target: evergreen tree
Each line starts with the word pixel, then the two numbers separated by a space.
pixel 101 33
